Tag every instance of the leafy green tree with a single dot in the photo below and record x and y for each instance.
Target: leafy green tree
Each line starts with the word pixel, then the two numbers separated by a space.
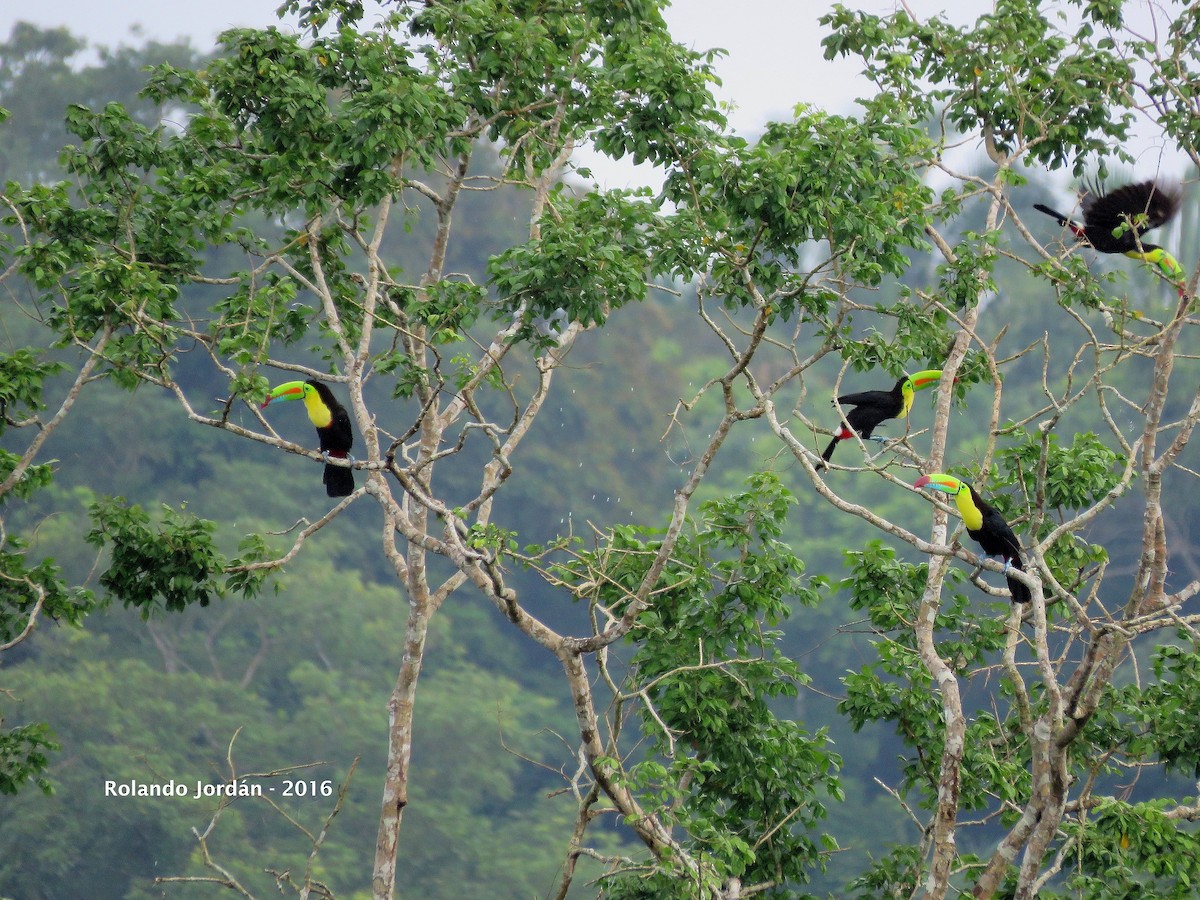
pixel 1035 757
pixel 326 136
pixel 35 70
pixel 259 244
pixel 40 72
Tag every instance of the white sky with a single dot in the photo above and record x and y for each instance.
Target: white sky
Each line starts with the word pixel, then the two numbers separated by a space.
pixel 774 46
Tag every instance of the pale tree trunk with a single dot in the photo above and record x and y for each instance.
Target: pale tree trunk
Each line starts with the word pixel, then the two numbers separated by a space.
pixel 401 706
pixel 1071 703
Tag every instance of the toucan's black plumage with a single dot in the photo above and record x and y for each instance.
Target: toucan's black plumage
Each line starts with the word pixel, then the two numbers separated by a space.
pixel 333 429
pixel 985 525
pixel 336 439
pixel 1131 211
pixel 870 408
pixel 997 539
pixel 873 407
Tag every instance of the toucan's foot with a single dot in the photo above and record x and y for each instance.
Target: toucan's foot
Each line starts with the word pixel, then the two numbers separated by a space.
pixel 347 457
pixel 878 439
pixel 1007 565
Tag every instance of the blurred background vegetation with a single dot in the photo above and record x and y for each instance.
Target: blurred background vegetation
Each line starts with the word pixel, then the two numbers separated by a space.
pixel 300 676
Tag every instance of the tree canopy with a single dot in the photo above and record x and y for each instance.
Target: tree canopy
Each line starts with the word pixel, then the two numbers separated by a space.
pixel 595 618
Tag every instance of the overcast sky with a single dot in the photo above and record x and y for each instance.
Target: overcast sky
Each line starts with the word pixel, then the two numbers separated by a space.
pixel 774 52
pixel 774 58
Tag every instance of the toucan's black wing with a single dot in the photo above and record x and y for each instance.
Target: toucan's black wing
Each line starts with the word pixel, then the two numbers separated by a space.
pixel 996 538
pixel 884 399
pixel 871 408
pixel 336 439
pixel 1147 203
pixel 864 417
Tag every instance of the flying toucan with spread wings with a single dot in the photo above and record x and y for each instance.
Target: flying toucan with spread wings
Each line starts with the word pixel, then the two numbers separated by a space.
pixel 985 525
pixel 1115 222
pixel 873 407
pixel 333 429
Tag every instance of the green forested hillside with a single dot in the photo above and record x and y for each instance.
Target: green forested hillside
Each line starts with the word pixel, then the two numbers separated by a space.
pixel 289 683
pixel 293 682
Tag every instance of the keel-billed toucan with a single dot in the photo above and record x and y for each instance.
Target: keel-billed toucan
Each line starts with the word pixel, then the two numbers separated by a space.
pixel 1115 222
pixel 985 525
pixel 333 429
pixel 873 407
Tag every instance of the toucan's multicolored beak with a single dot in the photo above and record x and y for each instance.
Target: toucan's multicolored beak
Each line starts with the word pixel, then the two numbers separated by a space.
pixel 1167 264
pixel 925 379
pixel 292 390
pixel 939 482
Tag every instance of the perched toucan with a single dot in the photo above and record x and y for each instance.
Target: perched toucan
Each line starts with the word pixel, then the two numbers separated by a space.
pixel 333 429
pixel 1115 222
pixel 985 525
pixel 873 407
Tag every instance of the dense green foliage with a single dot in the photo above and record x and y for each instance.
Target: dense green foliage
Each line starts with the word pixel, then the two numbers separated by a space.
pixel 585 428
pixel 711 672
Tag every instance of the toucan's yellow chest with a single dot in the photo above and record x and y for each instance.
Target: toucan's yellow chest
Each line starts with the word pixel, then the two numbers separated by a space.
pixel 971 514
pixel 906 401
pixel 318 413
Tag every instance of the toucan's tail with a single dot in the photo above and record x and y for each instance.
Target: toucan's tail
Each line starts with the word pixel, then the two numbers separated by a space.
pixel 840 436
pixel 339 481
pixel 1057 216
pixel 828 454
pixel 1019 589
